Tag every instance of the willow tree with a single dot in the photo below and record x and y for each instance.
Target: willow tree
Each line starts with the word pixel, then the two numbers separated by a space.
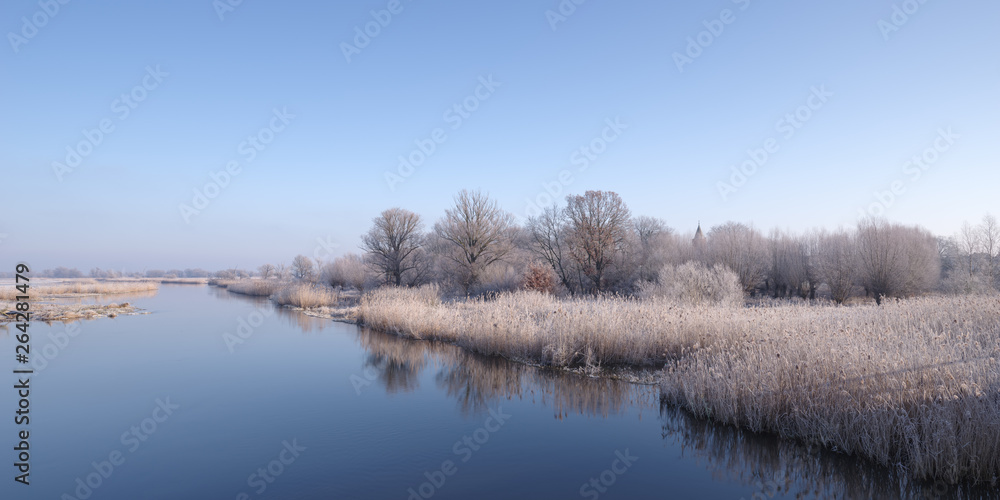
pixel 896 260
pixel 741 248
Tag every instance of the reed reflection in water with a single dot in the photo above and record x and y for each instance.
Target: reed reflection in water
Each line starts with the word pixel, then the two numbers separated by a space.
pixel 478 382
pixel 769 466
pixel 779 466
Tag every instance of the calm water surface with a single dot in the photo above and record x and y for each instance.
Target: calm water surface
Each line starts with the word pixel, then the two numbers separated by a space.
pixel 306 408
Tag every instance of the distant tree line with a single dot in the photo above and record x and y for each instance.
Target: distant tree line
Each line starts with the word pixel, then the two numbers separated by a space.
pixel 592 244
pixel 70 273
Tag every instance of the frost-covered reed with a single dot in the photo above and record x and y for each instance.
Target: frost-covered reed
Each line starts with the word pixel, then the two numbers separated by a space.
pixel 914 383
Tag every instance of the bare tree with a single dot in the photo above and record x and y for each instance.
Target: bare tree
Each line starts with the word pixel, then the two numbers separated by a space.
pixel 789 261
pixel 266 271
pixel 895 260
pixel 548 237
pixel 810 253
pixel 948 253
pixel 478 231
pixel 968 244
pixel 392 244
pixel 922 263
pixel 648 228
pixel 879 258
pixel 836 264
pixel 989 241
pixel 282 272
pixel 598 231
pixel 743 250
pixel 347 271
pixel 303 268
pixel 652 235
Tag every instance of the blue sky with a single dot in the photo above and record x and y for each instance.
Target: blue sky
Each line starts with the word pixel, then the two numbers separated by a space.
pixel 888 94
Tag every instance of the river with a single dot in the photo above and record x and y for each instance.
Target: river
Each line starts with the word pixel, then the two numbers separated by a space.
pixel 218 396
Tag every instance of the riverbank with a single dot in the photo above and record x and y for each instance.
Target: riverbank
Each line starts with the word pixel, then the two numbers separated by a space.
pixel 45 294
pixel 314 300
pixel 52 288
pixel 912 384
pixel 48 312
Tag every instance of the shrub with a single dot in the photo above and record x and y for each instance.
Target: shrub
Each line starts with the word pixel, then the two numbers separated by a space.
pixel 539 278
pixel 348 271
pixel 694 283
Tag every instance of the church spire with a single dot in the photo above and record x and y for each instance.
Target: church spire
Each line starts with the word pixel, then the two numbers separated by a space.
pixel 699 237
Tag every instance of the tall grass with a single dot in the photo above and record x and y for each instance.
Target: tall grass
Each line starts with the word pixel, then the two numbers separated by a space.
pixel 539 328
pixel 306 296
pixel 222 282
pixel 255 287
pixel 913 383
pixel 183 281
pixel 81 287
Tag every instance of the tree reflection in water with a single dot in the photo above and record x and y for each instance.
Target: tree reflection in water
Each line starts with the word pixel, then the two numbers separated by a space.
pixel 478 382
pixel 771 465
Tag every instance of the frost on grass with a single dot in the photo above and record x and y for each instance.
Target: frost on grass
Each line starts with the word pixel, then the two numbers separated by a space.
pixel 48 312
pixel 914 383
pixel 80 287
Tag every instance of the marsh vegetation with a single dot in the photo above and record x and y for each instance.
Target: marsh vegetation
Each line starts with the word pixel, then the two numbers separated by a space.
pixel 881 341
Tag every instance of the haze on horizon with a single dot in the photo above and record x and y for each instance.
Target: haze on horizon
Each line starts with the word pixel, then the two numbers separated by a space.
pixel 502 96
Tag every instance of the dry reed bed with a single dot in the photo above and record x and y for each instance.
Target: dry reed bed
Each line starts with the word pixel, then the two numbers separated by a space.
pixel 306 296
pixel 258 288
pixel 540 329
pixel 221 282
pixel 48 313
pixel 80 287
pixel 914 384
pixel 183 281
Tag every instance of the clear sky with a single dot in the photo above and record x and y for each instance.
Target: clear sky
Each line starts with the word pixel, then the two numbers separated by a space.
pixel 180 86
